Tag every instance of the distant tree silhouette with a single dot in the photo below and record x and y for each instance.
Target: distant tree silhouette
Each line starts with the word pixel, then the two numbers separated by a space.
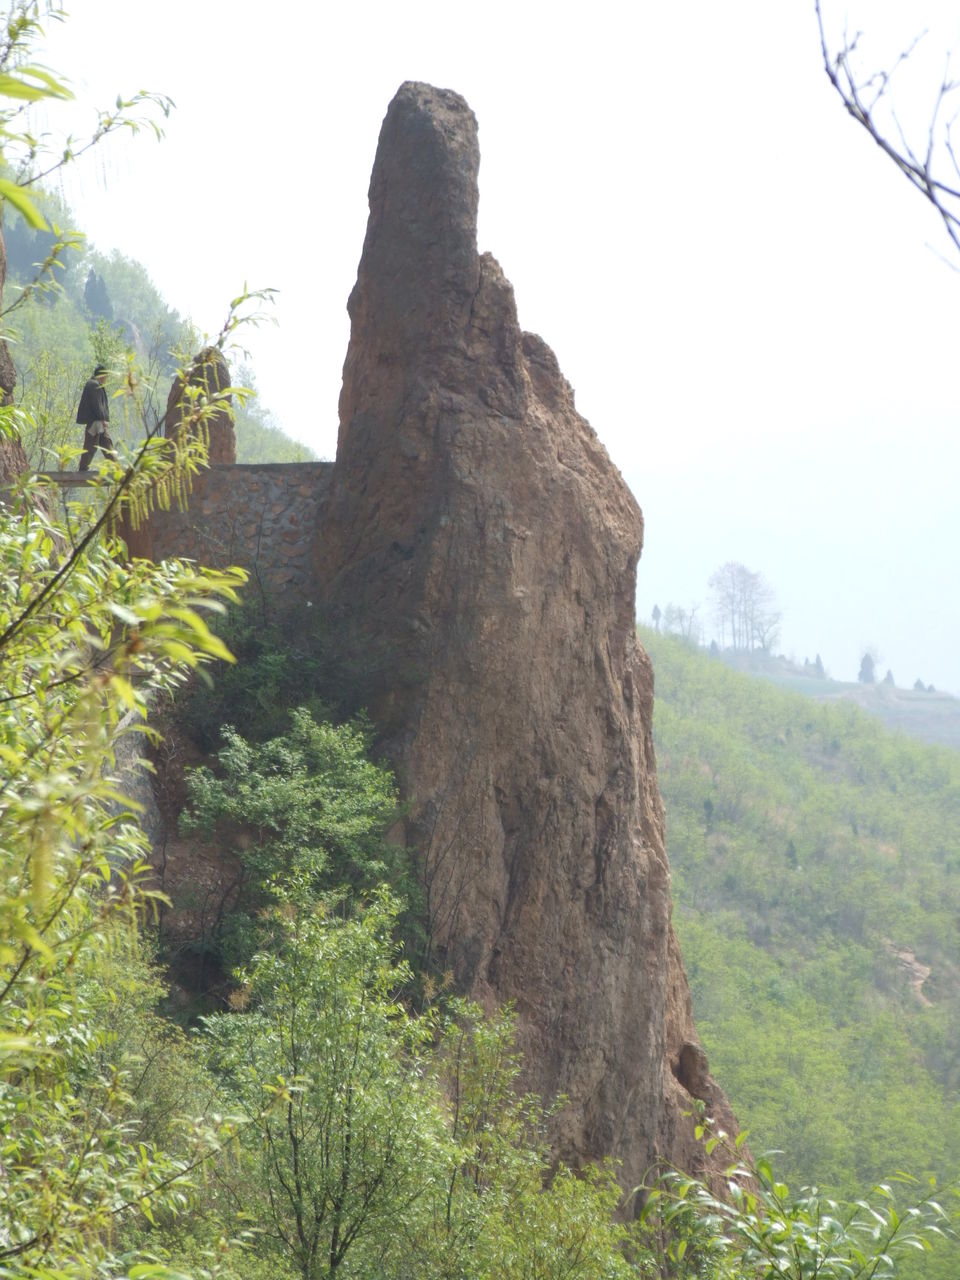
pixel 818 664
pixel 743 605
pixel 678 621
pixel 96 297
pixel 888 678
pixel 919 686
pixel 868 672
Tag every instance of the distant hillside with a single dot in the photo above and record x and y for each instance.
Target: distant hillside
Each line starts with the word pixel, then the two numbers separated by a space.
pixel 100 308
pixel 925 714
pixel 816 871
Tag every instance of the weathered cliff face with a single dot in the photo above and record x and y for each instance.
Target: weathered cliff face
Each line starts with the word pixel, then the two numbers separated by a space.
pixel 476 522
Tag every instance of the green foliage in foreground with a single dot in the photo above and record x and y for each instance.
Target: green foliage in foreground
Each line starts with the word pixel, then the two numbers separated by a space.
pixel 352 1162
pixel 813 853
pixel 756 1228
pixel 323 1127
pixel 85 643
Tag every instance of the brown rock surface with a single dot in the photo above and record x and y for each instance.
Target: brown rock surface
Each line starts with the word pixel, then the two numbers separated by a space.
pixel 211 374
pixel 476 522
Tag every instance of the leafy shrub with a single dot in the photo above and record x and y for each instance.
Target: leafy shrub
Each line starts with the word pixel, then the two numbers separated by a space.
pixel 756 1227
pixel 306 809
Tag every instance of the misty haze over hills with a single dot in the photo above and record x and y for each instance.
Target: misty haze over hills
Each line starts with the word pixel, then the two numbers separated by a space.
pixel 886 582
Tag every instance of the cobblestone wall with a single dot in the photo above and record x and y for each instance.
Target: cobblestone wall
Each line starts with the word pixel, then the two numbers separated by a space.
pixel 262 516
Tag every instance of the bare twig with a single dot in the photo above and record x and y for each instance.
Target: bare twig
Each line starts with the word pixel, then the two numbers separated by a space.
pixel 861 97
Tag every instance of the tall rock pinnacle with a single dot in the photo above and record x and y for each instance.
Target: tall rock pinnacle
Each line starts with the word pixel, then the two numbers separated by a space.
pixel 477 527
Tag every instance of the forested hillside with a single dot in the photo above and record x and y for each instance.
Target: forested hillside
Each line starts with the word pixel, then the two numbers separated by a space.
pixel 816 873
pixel 92 307
pixel 918 709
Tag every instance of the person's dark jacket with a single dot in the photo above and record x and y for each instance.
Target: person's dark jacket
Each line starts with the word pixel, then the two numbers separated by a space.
pixel 94 405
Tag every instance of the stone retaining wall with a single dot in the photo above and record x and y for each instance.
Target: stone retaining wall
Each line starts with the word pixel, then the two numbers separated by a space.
pixel 262 516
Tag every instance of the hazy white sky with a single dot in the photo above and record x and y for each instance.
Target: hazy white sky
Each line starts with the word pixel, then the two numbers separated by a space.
pixel 736 282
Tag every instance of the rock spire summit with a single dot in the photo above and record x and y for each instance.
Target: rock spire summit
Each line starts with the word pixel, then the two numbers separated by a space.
pixel 477 527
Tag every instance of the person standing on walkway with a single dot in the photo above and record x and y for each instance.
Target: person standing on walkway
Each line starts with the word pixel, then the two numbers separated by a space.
pixel 93 413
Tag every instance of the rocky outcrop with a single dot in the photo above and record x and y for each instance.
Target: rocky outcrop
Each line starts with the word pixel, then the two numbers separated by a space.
pixel 476 522
pixel 206 383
